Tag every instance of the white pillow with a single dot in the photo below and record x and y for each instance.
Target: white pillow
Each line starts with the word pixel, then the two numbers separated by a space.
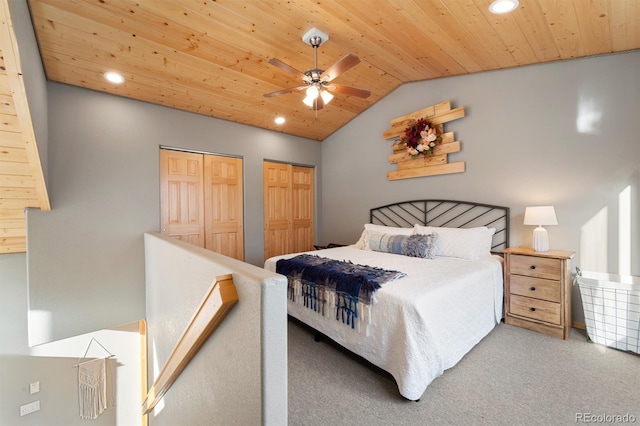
pixel 363 242
pixel 465 243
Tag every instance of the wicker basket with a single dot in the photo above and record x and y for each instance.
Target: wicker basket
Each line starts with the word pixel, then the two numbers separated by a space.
pixel 611 306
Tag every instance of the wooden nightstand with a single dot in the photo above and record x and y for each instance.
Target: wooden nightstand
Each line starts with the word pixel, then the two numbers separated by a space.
pixel 537 290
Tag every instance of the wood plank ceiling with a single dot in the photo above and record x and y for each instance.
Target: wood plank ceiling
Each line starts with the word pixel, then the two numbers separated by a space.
pixel 21 179
pixel 210 57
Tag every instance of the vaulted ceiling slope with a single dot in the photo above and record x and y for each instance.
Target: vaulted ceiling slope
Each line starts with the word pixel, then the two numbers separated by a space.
pixel 21 179
pixel 210 57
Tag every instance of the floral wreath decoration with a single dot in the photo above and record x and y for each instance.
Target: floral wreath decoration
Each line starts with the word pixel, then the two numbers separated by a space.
pixel 420 138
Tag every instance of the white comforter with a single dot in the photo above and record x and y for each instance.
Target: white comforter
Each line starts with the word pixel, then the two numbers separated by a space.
pixel 422 324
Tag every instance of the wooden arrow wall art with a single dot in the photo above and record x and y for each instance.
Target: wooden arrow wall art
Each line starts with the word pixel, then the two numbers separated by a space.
pixel 430 165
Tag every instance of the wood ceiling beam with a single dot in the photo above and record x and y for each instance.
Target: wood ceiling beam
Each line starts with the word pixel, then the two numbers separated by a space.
pixel 13 68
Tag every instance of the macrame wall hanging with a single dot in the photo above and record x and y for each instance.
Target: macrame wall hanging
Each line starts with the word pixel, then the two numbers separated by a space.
pixel 433 160
pixel 94 384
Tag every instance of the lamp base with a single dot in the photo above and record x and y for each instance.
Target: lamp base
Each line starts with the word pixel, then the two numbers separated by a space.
pixel 540 239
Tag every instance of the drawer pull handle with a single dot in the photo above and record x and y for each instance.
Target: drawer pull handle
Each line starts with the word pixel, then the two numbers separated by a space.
pixel 532 289
pixel 532 309
pixel 532 267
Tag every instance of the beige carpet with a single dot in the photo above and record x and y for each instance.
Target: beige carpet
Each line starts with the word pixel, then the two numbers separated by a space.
pixel 512 377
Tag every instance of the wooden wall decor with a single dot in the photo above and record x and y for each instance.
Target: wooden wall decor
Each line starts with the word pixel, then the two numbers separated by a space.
pixel 220 298
pixel 436 164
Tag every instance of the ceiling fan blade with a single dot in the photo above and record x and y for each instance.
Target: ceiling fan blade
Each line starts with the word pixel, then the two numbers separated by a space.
pixel 348 90
pixel 284 91
pixel 341 66
pixel 286 68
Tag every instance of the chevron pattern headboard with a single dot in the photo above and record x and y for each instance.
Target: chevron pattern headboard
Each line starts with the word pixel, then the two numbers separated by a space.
pixel 446 213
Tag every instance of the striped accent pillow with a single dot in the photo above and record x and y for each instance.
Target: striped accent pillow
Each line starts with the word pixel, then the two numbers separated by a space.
pixel 406 245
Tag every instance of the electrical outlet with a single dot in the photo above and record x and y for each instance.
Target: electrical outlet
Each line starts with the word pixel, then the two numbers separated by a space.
pixel 29 408
pixel 34 387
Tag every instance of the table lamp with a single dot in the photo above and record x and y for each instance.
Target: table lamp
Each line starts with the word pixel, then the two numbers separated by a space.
pixel 539 216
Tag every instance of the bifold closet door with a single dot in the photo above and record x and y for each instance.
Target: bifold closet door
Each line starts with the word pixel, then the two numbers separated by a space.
pixel 224 230
pixel 288 208
pixel 277 209
pixel 302 208
pixel 181 196
pixel 201 200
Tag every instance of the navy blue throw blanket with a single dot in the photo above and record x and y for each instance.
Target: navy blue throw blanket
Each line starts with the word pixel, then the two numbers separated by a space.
pixel 350 282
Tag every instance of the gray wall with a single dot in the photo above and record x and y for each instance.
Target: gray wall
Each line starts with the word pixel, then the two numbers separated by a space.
pixel 86 254
pixel 13 304
pixel 564 134
pixel 52 364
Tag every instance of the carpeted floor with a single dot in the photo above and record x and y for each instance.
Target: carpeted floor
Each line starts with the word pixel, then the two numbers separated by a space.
pixel 512 377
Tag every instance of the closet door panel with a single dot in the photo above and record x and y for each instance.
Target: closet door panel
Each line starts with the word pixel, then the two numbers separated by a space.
pixel 223 197
pixel 302 208
pixel 181 185
pixel 277 209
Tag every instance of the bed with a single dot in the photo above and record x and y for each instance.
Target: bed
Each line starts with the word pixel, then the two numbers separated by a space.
pixel 425 320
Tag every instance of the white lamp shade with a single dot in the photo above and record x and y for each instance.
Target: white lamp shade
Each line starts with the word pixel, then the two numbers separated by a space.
pixel 312 92
pixel 312 95
pixel 326 96
pixel 540 215
pixel 308 101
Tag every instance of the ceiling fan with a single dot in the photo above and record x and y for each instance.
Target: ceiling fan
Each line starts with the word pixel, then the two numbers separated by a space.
pixel 319 83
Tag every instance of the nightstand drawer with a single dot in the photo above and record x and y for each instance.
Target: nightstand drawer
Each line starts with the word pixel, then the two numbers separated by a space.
pixel 538 288
pixel 532 266
pixel 535 309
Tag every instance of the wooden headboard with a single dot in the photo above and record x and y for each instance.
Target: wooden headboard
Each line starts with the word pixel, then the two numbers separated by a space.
pixel 446 213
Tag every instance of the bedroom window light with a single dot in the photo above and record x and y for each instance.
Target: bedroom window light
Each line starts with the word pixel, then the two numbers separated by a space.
pixel 594 242
pixel 624 231
pixel 503 6
pixel 539 216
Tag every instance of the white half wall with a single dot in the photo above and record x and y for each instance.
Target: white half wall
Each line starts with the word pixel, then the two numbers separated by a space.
pixel 239 376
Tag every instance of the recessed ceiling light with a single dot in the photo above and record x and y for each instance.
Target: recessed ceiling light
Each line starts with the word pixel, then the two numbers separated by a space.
pixel 114 77
pixel 279 120
pixel 503 6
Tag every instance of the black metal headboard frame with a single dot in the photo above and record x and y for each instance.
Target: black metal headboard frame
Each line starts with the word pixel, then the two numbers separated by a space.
pixel 446 213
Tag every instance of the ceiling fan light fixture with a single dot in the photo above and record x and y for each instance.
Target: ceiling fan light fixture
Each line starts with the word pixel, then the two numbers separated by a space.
pixel 308 101
pixel 312 95
pixel 326 96
pixel 503 6
pixel 312 91
pixel 315 81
